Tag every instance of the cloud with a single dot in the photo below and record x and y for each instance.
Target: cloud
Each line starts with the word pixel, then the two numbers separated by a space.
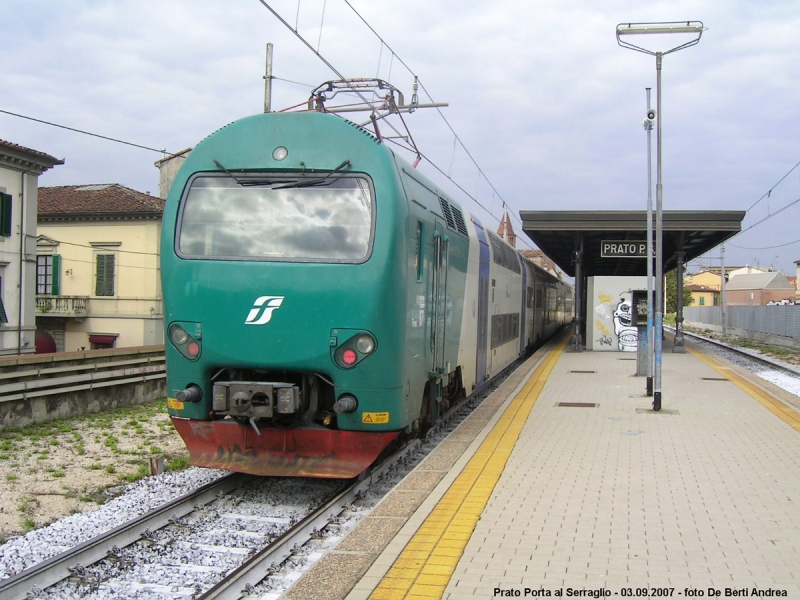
pixel 545 100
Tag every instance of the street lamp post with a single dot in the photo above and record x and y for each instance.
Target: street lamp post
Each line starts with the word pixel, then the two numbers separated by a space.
pixel 695 30
pixel 648 127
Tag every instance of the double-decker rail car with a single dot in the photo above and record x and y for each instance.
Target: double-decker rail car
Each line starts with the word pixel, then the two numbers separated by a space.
pixel 323 299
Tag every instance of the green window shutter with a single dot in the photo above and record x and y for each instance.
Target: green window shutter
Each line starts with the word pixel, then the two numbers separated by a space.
pixel 5 215
pixel 55 287
pixel 105 275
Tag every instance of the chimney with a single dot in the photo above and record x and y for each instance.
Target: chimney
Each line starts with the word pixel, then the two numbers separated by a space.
pixel 167 170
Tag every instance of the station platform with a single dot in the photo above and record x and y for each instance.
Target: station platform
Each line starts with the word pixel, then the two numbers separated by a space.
pixel 564 482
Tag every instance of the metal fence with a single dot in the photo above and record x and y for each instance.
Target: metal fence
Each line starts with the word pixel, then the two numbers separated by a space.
pixel 771 320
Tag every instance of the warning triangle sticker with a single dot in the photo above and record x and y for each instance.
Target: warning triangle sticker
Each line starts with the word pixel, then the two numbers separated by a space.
pixel 367 419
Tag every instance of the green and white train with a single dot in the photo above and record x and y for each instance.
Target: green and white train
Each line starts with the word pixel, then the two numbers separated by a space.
pixel 323 299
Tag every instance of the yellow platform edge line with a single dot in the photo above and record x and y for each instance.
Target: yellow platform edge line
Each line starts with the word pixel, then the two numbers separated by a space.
pixel 479 478
pixel 785 413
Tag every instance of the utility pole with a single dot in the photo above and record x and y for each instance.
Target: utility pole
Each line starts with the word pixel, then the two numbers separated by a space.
pixel 722 293
pixel 268 81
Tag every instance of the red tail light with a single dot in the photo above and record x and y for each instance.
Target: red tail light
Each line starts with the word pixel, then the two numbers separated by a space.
pixel 349 357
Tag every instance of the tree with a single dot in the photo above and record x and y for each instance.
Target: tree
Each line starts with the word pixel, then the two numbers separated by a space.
pixel 671 292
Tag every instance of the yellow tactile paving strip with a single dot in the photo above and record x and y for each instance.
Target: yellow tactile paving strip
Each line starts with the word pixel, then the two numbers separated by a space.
pixel 427 563
pixel 776 407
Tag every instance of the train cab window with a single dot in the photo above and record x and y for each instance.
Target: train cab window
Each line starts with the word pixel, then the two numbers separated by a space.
pixel 287 217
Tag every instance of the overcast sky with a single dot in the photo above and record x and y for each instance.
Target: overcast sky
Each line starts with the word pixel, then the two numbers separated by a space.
pixel 540 93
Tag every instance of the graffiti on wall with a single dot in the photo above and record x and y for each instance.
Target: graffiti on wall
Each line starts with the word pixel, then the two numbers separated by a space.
pixel 614 322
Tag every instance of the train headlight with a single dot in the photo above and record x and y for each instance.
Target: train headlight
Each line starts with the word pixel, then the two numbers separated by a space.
pixel 365 344
pixel 280 153
pixel 354 350
pixel 178 335
pixel 185 337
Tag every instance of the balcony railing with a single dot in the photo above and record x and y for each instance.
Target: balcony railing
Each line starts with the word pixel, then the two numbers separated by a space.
pixel 62 306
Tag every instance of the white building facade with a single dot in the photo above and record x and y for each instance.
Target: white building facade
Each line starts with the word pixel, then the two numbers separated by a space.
pixel 20 168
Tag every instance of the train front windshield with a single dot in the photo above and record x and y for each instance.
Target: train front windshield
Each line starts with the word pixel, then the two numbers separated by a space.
pixel 289 217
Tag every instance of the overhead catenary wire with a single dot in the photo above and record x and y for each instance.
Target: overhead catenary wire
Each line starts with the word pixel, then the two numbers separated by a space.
pixel 441 114
pixel 766 247
pixel 393 55
pixel 769 192
pixel 316 52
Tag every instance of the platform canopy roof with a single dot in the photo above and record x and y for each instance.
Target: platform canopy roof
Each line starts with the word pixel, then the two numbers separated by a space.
pixel 559 235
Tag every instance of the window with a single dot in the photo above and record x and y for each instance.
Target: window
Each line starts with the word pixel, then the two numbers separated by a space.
pixel 278 218
pixel 105 275
pixel 702 300
pixel 5 215
pixel 48 274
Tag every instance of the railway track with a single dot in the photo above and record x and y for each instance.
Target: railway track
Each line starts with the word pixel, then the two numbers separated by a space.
pixel 49 572
pixel 171 541
pixel 742 352
pixel 165 553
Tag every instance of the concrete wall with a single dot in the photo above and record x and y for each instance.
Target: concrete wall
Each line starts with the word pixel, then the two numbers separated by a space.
pixel 62 402
pixel 609 313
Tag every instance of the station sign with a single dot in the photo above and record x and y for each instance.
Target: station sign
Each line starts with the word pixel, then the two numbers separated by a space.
pixel 623 249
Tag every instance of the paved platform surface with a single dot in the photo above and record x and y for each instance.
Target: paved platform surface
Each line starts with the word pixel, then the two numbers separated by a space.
pixel 703 494
pixel 699 499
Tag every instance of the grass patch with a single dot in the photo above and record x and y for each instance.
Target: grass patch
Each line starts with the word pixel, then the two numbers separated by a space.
pixel 178 463
pixel 142 471
pixel 28 524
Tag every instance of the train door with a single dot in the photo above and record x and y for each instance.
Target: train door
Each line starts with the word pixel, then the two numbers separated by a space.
pixel 523 342
pixel 438 321
pixel 483 303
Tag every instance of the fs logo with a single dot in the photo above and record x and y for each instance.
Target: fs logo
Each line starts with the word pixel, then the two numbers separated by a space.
pixel 264 306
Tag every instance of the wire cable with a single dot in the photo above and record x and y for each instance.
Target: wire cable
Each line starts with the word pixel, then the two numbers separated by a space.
pixel 97 135
pixel 765 247
pixel 769 193
pixel 441 114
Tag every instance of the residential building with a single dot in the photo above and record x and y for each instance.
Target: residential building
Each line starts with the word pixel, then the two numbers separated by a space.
pixel 705 287
pixel 758 289
pixel 797 278
pixel 707 279
pixel 97 267
pixel 20 168
pixel 745 270
pixel 703 295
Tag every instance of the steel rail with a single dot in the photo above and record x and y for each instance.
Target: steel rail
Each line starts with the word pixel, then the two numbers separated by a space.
pixel 237 583
pixel 49 572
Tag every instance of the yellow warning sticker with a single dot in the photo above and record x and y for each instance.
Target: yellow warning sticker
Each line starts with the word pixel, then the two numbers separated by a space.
pixel 174 404
pixel 375 418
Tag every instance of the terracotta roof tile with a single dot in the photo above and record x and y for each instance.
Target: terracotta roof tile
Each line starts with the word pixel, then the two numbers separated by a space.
pixel 108 198
pixel 44 155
